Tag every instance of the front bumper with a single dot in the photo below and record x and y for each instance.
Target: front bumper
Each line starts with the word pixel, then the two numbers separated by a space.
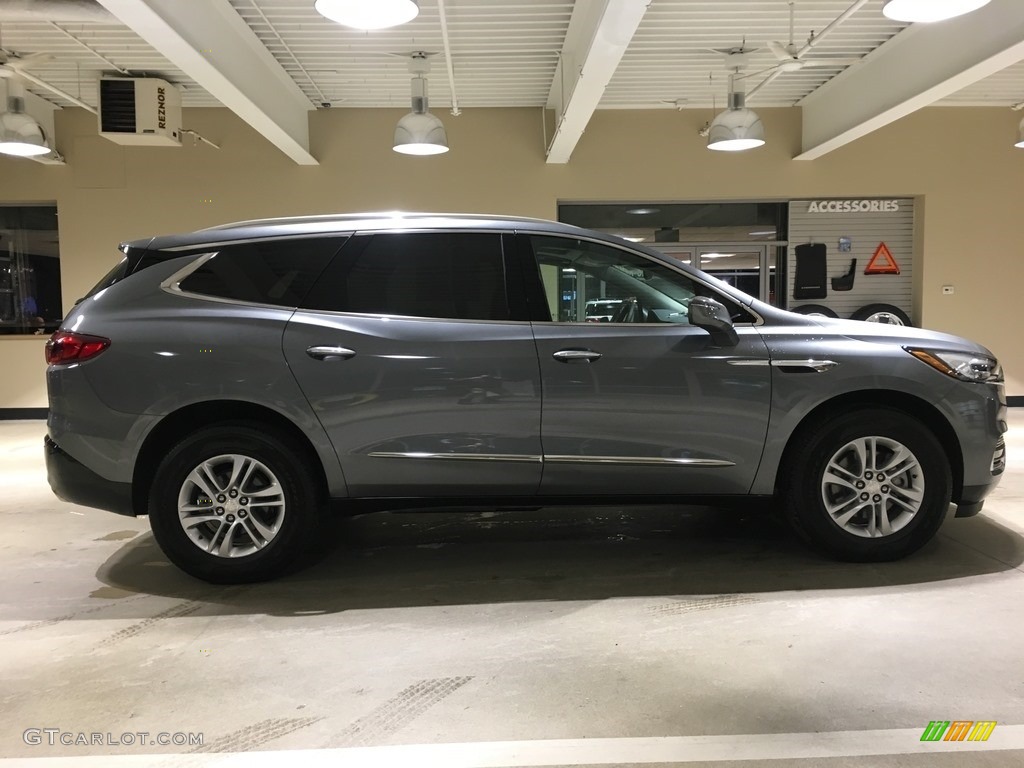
pixel 73 481
pixel 972 497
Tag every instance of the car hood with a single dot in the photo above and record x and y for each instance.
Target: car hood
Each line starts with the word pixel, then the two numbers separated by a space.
pixel 882 333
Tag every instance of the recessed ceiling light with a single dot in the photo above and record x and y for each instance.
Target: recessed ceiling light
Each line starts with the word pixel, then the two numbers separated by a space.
pixel 642 211
pixel 929 10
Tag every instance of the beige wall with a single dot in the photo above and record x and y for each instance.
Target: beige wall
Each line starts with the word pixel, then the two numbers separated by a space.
pixel 960 163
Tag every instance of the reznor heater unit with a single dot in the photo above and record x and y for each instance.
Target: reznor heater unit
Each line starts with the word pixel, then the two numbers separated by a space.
pixel 140 111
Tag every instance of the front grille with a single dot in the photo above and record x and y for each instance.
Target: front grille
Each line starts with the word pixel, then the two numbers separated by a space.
pixel 999 458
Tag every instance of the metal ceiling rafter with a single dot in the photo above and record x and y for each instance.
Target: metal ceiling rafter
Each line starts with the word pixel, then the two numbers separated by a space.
pixel 599 32
pixel 211 44
pixel 918 67
pixel 309 78
pixel 89 48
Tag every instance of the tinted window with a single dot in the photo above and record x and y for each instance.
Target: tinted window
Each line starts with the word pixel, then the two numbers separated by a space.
pixel 271 272
pixel 450 275
pixel 115 274
pixel 589 282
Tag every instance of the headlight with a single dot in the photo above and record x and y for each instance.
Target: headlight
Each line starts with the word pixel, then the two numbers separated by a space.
pixel 961 365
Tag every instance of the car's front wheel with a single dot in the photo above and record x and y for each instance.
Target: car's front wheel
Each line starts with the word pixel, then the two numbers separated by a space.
pixel 869 485
pixel 233 504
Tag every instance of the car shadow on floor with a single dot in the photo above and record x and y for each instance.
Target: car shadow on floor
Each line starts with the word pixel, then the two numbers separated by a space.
pixel 387 560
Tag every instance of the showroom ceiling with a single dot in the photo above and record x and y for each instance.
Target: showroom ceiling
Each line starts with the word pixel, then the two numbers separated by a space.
pixel 503 53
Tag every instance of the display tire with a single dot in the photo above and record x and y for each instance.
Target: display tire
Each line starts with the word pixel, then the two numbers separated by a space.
pixel 815 310
pixel 807 480
pixel 302 511
pixel 882 313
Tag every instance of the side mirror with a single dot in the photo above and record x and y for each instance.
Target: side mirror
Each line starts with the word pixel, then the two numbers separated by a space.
pixel 714 318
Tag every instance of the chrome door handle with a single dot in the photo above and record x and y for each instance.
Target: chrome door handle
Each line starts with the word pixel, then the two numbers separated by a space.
pixel 330 353
pixel 576 355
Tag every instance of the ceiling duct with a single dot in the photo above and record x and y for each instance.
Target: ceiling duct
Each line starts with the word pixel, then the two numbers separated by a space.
pixel 55 10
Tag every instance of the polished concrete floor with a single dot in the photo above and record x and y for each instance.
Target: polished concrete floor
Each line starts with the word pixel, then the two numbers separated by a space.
pixel 553 637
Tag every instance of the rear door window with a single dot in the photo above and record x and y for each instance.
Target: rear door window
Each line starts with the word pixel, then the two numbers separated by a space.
pixel 278 272
pixel 445 275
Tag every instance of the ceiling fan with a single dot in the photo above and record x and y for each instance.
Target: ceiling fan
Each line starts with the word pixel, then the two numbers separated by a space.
pixel 13 64
pixel 791 56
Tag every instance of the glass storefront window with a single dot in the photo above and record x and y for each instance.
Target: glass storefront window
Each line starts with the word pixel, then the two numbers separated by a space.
pixel 742 243
pixel 30 299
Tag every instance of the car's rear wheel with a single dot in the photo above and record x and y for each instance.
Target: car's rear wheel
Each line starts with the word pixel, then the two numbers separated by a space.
pixel 871 484
pixel 234 503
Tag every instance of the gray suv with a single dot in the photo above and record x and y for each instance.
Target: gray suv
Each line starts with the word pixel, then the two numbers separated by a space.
pixel 236 383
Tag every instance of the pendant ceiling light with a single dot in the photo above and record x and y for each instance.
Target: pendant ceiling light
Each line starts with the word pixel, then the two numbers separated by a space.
pixel 419 132
pixel 737 128
pixel 929 10
pixel 20 134
pixel 368 14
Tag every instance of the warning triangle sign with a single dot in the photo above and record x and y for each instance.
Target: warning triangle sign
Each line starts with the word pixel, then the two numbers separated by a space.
pixel 882 263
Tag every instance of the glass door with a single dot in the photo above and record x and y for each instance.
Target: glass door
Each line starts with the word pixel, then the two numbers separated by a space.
pixel 751 268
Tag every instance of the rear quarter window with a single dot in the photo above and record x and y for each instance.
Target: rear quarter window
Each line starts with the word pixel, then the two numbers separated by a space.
pixel 278 272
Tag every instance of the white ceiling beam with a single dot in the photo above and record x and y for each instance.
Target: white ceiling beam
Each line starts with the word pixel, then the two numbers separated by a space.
pixel 598 34
pixel 213 45
pixel 919 66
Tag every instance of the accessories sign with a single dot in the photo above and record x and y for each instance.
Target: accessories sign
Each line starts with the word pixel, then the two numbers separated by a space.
pixel 854 206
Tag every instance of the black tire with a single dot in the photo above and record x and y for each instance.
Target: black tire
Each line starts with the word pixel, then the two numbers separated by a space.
pixel 805 486
pixel 814 309
pixel 301 509
pixel 882 313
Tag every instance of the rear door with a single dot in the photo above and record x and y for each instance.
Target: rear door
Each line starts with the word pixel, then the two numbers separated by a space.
pixel 407 350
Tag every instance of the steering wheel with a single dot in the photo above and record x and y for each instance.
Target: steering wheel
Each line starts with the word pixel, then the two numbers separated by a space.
pixel 629 311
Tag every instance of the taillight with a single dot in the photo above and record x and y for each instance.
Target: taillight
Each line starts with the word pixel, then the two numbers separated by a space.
pixel 66 347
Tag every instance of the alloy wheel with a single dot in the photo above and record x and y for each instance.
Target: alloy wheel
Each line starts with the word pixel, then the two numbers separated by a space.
pixel 873 487
pixel 231 506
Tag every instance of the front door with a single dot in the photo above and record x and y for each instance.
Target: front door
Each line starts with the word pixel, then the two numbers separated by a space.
pixel 407 353
pixel 638 401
